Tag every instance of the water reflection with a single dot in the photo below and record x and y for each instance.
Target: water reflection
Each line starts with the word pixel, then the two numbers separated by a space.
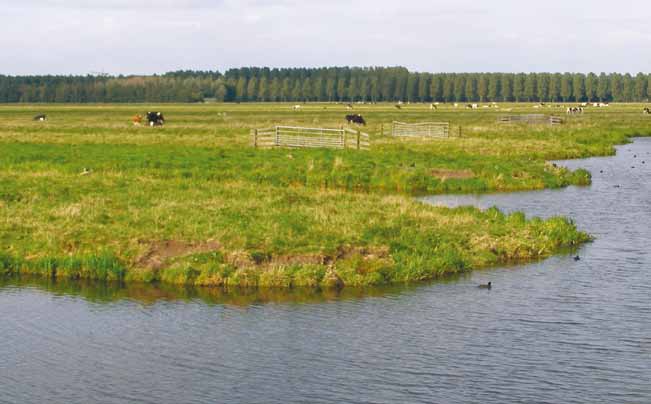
pixel 145 293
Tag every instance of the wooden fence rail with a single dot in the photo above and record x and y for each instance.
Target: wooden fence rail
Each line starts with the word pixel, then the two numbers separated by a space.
pixel 424 129
pixel 299 137
pixel 530 119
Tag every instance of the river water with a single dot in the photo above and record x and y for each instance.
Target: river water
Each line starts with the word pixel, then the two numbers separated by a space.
pixel 557 331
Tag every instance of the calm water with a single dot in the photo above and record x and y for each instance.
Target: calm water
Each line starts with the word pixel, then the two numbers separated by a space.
pixel 557 331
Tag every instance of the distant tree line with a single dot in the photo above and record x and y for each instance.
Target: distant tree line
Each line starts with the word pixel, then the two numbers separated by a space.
pixel 333 84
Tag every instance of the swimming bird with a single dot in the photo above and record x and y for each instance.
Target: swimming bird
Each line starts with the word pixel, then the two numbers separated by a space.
pixel 486 286
pixel 577 258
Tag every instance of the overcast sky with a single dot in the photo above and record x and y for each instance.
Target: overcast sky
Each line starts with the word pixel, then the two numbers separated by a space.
pixel 146 36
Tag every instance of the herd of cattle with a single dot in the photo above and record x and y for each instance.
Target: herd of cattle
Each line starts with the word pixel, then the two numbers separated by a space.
pixel 157 118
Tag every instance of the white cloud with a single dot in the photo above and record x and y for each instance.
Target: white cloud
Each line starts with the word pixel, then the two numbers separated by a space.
pixel 145 36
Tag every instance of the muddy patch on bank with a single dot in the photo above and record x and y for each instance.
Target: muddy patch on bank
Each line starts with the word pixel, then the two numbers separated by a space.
pixel 159 253
pixel 446 174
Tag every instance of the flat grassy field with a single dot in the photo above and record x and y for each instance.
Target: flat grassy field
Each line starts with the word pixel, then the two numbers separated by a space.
pixel 88 195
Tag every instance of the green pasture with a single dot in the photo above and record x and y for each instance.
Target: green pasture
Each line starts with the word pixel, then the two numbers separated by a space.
pixel 88 195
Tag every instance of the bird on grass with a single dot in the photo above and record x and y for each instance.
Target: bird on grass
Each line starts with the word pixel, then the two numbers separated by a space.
pixel 486 286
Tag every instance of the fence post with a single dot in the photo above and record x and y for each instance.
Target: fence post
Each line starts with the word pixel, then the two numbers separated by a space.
pixel 255 138
pixel 358 136
pixel 382 129
pixel 277 136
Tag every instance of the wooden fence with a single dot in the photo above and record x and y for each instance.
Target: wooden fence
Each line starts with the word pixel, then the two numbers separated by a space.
pixel 298 137
pixel 424 129
pixel 530 119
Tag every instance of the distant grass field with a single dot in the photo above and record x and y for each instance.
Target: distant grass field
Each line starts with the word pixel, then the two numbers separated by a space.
pixel 194 203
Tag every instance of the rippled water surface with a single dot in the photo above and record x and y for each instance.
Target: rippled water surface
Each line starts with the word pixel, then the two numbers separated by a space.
pixel 558 331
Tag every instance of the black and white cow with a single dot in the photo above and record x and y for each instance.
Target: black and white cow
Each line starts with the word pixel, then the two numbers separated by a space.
pixel 155 119
pixel 41 117
pixel 574 110
pixel 355 118
pixel 646 111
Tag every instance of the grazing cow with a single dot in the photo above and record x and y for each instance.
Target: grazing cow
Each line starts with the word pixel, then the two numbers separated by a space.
pixel 646 111
pixel 137 120
pixel 349 106
pixel 355 118
pixel 296 107
pixel 574 110
pixel 155 119
pixel 398 106
pixel 41 117
pixel 432 106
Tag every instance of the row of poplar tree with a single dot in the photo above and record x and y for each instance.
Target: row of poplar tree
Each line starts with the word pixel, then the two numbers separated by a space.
pixel 334 84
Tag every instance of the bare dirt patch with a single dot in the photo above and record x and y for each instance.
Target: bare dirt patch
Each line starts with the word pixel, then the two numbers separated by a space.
pixel 446 174
pixel 160 252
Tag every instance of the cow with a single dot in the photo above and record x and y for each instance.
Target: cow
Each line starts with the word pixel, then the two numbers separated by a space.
pixel 432 107
pixel 155 119
pixel 574 110
pixel 398 106
pixel 646 111
pixel 349 106
pixel 355 118
pixel 296 107
pixel 136 119
pixel 41 117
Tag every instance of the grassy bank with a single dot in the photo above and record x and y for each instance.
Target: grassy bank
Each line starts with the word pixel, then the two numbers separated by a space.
pixel 193 203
